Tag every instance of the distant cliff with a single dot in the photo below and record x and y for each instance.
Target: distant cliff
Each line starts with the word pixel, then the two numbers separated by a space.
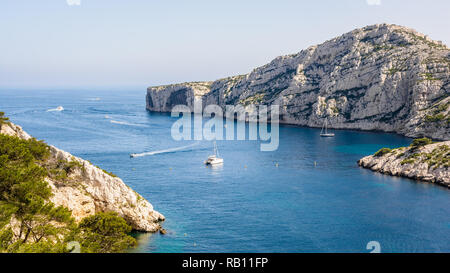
pixel 85 189
pixel 381 77
pixel 429 163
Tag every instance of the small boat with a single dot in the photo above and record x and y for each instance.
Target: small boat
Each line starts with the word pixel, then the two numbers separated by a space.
pixel 325 133
pixel 214 159
pixel 57 109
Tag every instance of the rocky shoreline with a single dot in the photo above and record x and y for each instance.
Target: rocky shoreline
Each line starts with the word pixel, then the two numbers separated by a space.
pixel 87 189
pixel 427 163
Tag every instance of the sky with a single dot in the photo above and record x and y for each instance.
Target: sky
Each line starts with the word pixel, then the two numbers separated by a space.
pixel 137 43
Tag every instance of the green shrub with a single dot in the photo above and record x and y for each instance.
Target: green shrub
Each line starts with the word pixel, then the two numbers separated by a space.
pixel 421 142
pixel 382 152
pixel 38 149
pixel 61 169
pixel 108 173
pixel 435 118
pixel 441 108
pixel 3 119
pixel 104 233
pixel 407 161
pixel 105 171
pixel 440 156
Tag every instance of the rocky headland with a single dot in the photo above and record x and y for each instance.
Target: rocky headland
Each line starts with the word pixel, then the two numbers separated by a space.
pixel 85 189
pixel 420 161
pixel 381 77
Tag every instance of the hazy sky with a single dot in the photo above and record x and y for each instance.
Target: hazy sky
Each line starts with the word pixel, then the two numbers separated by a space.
pixel 137 43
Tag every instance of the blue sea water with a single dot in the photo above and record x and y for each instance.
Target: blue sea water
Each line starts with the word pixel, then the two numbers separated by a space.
pixel 258 201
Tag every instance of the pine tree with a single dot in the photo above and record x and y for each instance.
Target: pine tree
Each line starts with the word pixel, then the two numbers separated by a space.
pixel 29 222
pixel 3 119
pixel 104 233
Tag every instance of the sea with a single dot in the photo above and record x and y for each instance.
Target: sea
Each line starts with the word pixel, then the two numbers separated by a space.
pixel 309 195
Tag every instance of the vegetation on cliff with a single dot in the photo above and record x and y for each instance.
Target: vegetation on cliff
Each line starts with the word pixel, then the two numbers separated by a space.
pixel 104 232
pixel 29 222
pixel 423 160
pixel 3 119
pixel 420 142
pixel 382 152
pixel 438 157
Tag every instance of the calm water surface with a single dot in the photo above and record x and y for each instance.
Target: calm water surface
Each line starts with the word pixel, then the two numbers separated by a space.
pixel 249 204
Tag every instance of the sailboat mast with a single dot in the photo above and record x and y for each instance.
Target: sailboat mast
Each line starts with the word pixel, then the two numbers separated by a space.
pixel 323 125
pixel 216 152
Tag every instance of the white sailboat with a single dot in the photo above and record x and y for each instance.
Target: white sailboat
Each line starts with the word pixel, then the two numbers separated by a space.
pixel 325 133
pixel 214 159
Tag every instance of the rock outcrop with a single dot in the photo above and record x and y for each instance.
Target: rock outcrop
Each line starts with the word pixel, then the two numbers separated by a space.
pixel 429 163
pixel 11 129
pixel 381 77
pixel 89 190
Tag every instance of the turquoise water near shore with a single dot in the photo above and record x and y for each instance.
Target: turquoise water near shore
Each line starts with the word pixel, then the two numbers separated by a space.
pixel 257 201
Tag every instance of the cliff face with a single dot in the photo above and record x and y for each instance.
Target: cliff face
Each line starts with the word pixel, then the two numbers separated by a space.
pixel 429 163
pixel 381 77
pixel 87 190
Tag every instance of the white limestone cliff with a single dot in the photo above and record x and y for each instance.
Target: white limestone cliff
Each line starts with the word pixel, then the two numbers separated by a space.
pixel 381 77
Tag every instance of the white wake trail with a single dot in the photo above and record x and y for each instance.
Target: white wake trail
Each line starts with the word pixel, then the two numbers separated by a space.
pixel 171 150
pixel 126 123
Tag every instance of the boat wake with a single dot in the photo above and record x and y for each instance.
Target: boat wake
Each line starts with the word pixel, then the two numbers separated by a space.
pixel 125 123
pixel 57 109
pixel 171 150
